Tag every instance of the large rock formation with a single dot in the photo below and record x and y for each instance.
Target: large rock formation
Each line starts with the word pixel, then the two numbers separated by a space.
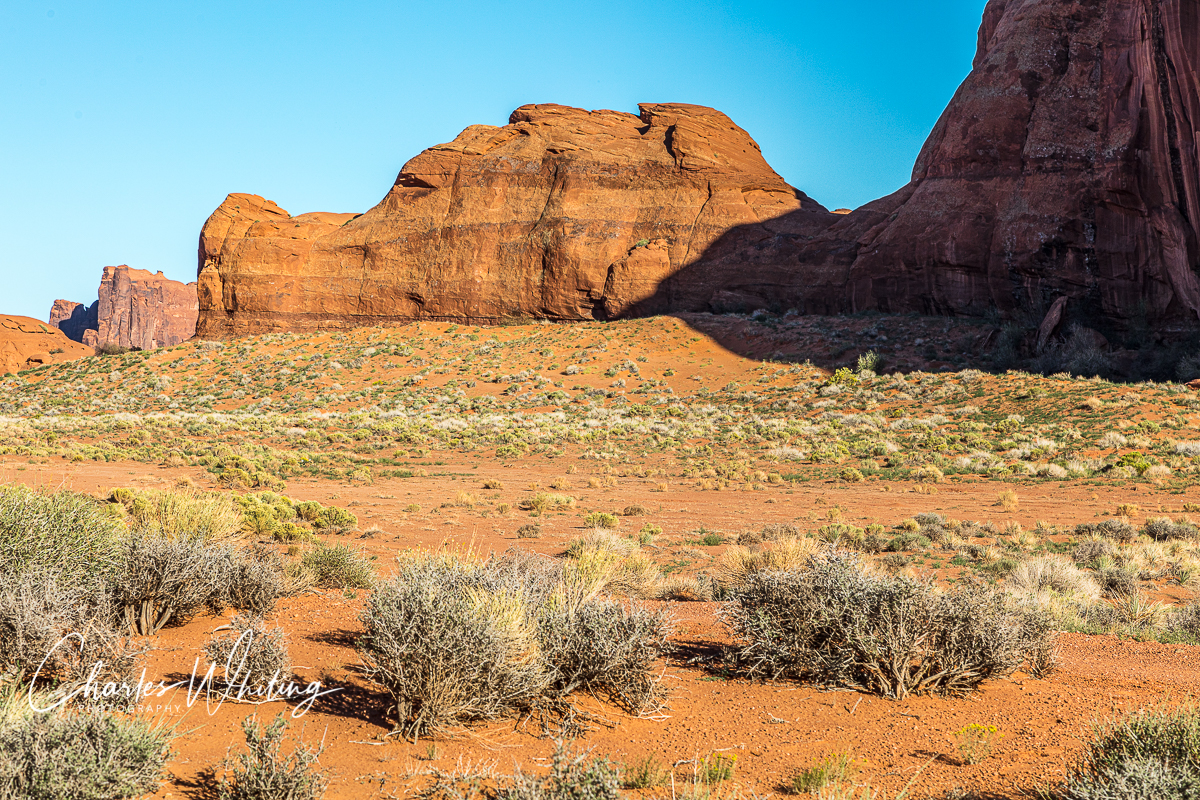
pixel 136 309
pixel 1066 166
pixel 562 213
pixel 74 319
pixel 26 343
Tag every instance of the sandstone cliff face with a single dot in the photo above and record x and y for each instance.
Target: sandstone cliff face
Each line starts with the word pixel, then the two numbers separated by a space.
pixel 1065 166
pixel 562 214
pixel 26 343
pixel 74 319
pixel 136 308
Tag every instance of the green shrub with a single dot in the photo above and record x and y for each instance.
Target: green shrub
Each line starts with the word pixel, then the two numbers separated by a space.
pixel 88 755
pixel 598 519
pixel 833 623
pixel 338 567
pixel 263 773
pixel 834 769
pixel 61 533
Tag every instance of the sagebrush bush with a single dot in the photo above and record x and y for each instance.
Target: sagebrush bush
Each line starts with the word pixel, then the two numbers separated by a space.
pixel 1118 530
pixel 162 581
pixel 455 640
pixel 449 648
pixel 834 623
pixel 252 655
pixel 571 777
pixel 263 773
pixel 60 533
pixel 38 612
pixel 167 580
pixel 1151 753
pixel 338 567
pixel 85 755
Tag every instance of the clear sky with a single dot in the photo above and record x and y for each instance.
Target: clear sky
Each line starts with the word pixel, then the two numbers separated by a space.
pixel 126 123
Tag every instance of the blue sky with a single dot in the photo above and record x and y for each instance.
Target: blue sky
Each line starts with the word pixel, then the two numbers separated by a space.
pixel 125 124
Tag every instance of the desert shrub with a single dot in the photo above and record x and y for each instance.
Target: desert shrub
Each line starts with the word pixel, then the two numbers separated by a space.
pixel 210 516
pixel 1164 529
pixel 635 510
pixel 168 580
pixel 1053 574
pixel 455 640
pixel 38 611
pixel 251 655
pixel 63 533
pixel 1153 752
pixel 606 648
pixel 737 565
pixel 529 532
pixel 1116 580
pixel 338 567
pixel 1118 530
pixel 1089 551
pixel 599 519
pixel 447 649
pixel 906 542
pixel 614 570
pixel 86 755
pixel 252 580
pixel 833 623
pixel 834 769
pixel 686 588
pixel 263 773
pixel 571 777
pixel 1185 620
pixel 335 519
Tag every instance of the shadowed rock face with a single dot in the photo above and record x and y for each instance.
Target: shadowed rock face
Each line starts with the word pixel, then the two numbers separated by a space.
pixel 562 214
pixel 74 319
pixel 136 309
pixel 1065 165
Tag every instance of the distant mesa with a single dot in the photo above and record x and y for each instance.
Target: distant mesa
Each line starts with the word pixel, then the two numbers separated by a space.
pixel 136 309
pixel 1064 167
pixel 26 343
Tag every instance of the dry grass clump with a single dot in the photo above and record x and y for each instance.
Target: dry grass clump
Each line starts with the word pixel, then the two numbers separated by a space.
pixel 213 517
pixel 609 563
pixel 454 639
pixel 1051 573
pixel 738 565
pixel 1117 530
pixel 834 623
pixel 1008 500
pixel 771 532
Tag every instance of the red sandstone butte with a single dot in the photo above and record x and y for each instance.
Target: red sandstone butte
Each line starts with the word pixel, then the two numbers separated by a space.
pixel 136 309
pixel 562 214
